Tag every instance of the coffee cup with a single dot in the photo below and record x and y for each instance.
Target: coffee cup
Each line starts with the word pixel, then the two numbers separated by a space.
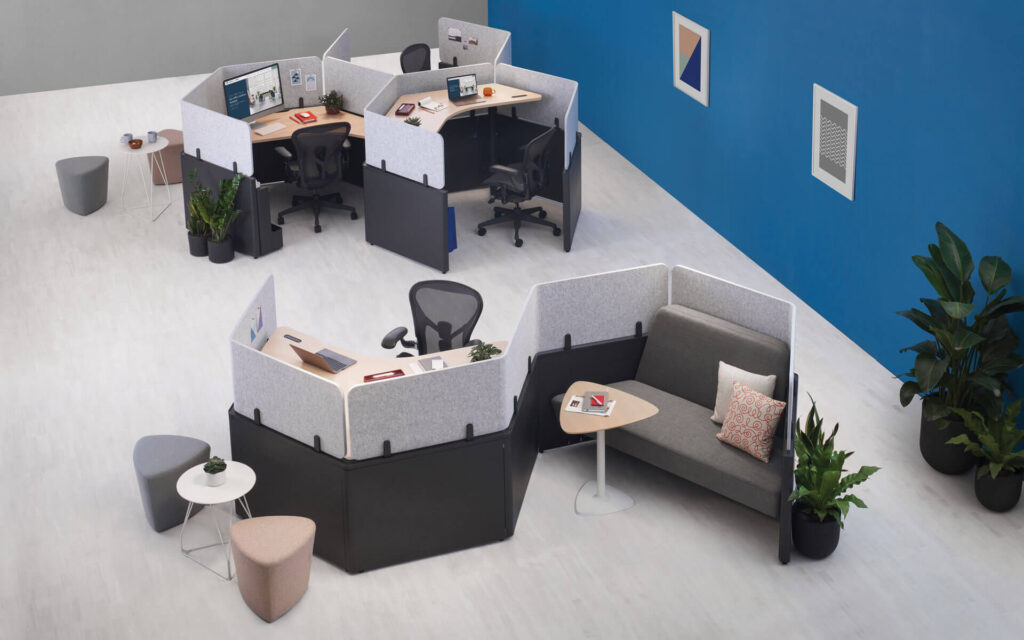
pixel 152 136
pixel 126 138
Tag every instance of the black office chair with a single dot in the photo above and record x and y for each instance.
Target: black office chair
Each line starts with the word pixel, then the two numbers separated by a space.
pixel 416 57
pixel 519 182
pixel 444 314
pixel 319 162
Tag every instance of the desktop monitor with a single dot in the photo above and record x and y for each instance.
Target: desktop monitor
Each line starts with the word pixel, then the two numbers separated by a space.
pixel 254 92
pixel 462 87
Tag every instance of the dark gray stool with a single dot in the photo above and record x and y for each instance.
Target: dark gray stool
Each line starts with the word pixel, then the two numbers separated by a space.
pixel 83 183
pixel 159 461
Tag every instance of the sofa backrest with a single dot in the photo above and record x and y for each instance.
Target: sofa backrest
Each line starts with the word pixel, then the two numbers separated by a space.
pixel 684 347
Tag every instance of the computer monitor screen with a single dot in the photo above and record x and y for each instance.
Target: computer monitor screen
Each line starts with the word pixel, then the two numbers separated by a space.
pixel 462 86
pixel 253 92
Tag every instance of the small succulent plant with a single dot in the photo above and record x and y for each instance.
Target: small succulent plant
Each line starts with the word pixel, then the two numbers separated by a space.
pixel 413 120
pixel 215 465
pixel 483 352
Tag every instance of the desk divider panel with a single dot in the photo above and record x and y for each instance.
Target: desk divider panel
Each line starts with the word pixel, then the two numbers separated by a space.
pixel 736 303
pixel 491 45
pixel 340 49
pixel 521 347
pixel 561 100
pixel 222 140
pixel 357 84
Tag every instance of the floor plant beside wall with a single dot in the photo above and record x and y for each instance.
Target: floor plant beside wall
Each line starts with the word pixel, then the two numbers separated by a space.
pixel 969 353
pixel 995 442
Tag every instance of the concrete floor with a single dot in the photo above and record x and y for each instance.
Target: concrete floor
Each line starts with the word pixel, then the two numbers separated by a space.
pixel 114 332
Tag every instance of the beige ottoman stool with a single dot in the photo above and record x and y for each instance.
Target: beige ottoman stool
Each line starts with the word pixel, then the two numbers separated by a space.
pixel 272 555
pixel 171 155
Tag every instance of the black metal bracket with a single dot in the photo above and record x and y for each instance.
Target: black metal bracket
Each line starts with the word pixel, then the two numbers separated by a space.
pixel 316 444
pixel 568 341
pixel 556 121
pixel 383 165
pixel 234 167
pixel 425 180
pixel 256 417
pixel 639 329
pixel 302 102
pixel 515 404
pixel 199 154
pixel 515 116
pixel 469 431
pixel 387 448
pixel 529 364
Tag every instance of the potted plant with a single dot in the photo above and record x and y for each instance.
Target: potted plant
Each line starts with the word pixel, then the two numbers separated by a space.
pixel 970 351
pixel 215 469
pixel 995 441
pixel 218 215
pixel 413 120
pixel 821 499
pixel 483 351
pixel 332 102
pixel 198 230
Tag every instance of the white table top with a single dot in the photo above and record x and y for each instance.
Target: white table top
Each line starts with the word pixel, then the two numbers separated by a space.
pixel 240 480
pixel 147 147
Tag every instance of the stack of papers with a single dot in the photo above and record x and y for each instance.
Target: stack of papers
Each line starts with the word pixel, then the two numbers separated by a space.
pixel 431 105
pixel 575 405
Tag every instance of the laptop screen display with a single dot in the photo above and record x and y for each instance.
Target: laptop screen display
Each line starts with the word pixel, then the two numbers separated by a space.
pixel 462 87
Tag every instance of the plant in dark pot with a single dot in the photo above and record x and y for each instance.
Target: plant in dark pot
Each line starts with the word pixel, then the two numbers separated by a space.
pixel 332 102
pixel 995 441
pixel 821 498
pixel 219 214
pixel 215 469
pixel 971 349
pixel 198 230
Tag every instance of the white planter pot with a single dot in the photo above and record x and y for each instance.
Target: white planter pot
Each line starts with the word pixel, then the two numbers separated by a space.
pixel 216 479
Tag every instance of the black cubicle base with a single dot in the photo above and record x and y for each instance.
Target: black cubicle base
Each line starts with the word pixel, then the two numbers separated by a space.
pixel 406 217
pixel 252 232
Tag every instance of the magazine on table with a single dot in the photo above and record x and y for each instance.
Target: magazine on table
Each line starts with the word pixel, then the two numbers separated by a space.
pixel 586 404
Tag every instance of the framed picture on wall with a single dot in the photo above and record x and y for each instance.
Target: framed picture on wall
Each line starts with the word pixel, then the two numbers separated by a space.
pixel 690 49
pixel 834 141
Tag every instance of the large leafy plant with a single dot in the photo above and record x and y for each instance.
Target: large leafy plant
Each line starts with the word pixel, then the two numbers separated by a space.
pixel 822 491
pixel 965 363
pixel 218 214
pixel 994 440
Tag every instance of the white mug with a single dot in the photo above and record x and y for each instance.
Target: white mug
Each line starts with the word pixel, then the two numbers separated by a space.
pixel 152 136
pixel 126 138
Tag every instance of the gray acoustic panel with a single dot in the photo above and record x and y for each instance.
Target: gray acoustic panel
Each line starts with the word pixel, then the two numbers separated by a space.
pixel 222 140
pixel 425 409
pixel 599 307
pixel 340 49
pixel 490 42
pixel 259 320
pixel 522 346
pixel 410 152
pixel 560 100
pixel 357 84
pixel 209 93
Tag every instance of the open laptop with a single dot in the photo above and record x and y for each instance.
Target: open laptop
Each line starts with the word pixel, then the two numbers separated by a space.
pixel 324 359
pixel 462 89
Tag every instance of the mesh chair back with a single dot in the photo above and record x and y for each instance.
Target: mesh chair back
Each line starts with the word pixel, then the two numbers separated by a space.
pixel 318 151
pixel 444 314
pixel 536 161
pixel 415 57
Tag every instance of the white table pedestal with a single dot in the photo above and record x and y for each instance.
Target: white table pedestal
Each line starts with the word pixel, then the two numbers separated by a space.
pixel 596 498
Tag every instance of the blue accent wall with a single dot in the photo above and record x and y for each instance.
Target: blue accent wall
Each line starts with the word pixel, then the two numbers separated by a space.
pixel 941 106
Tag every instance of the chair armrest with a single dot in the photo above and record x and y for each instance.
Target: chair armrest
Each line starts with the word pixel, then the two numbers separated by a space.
pixel 390 341
pixel 284 153
pixel 500 168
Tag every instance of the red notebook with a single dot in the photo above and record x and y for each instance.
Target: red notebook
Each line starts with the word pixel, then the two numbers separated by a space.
pixel 384 375
pixel 303 117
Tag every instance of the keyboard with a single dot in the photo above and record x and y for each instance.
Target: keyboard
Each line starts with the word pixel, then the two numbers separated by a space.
pixel 266 128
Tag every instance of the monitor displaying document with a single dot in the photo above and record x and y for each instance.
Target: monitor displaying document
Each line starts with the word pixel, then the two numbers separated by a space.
pixel 254 92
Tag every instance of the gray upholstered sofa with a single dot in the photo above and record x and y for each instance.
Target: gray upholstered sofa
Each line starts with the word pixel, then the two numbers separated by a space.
pixel 678 373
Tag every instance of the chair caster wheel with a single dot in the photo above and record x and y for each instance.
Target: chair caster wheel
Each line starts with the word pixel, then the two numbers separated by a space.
pixel 354 216
pixel 542 214
pixel 519 242
pixel 481 231
pixel 316 229
pixel 556 231
pixel 280 219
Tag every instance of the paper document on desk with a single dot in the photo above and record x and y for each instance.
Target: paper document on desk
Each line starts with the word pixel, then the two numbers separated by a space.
pixel 575 405
pixel 431 105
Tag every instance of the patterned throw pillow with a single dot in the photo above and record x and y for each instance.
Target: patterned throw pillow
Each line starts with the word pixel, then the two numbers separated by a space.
pixel 750 421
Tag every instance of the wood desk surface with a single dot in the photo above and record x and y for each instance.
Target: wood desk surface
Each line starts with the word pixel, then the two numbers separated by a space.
pixel 290 126
pixel 278 347
pixel 628 409
pixel 503 96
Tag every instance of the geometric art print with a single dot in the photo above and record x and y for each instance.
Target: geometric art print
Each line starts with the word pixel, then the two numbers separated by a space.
pixel 690 45
pixel 834 141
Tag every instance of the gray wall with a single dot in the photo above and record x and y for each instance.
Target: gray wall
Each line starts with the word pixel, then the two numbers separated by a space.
pixel 47 45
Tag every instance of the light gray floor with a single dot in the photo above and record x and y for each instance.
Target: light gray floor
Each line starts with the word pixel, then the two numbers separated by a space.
pixel 111 331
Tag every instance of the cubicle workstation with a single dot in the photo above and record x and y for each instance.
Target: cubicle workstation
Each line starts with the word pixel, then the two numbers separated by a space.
pixel 411 169
pixel 445 454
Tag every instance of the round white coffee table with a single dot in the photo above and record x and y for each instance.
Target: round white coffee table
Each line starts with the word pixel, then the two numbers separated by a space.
pixel 239 480
pixel 149 150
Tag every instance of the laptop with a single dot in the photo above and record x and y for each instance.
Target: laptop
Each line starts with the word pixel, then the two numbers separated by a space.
pixel 324 359
pixel 462 89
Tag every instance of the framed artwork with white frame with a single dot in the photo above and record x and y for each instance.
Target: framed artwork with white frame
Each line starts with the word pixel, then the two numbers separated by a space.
pixel 691 46
pixel 834 141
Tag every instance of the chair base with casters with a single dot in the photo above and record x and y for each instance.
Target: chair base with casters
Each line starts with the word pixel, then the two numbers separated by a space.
pixel 317 202
pixel 517 216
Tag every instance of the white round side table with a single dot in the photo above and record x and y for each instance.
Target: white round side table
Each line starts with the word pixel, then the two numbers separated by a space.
pixel 239 480
pixel 150 151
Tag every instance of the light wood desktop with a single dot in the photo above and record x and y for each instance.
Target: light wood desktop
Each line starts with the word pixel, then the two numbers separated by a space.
pixel 290 126
pixel 278 347
pixel 503 96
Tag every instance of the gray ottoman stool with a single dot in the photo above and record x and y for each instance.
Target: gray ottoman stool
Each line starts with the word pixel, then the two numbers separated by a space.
pixel 83 183
pixel 159 461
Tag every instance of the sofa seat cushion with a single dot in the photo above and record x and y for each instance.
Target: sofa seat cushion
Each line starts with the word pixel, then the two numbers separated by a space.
pixel 681 440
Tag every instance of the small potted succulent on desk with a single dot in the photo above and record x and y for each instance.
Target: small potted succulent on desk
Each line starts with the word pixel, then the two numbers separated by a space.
pixel 484 351
pixel 218 214
pixel 215 470
pixel 332 102
pixel 995 442
pixel 821 498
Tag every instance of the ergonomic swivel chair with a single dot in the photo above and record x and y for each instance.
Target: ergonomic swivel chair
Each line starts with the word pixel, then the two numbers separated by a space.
pixel 519 182
pixel 444 314
pixel 318 162
pixel 415 57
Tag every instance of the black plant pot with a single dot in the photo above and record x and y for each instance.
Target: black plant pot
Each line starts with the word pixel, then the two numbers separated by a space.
pixel 221 252
pixel 197 245
pixel 1000 493
pixel 951 459
pixel 812 537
